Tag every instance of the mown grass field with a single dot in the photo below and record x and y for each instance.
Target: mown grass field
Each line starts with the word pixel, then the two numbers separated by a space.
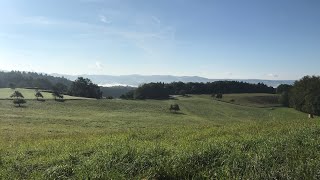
pixel 126 139
pixel 29 94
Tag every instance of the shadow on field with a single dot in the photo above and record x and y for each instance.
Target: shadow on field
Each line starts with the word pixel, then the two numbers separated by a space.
pixel 23 107
pixel 60 100
pixel 178 113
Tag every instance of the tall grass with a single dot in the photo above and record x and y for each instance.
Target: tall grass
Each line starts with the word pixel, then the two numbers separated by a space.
pixel 143 140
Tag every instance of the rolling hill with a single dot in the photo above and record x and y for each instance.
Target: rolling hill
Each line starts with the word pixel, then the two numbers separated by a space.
pixel 132 139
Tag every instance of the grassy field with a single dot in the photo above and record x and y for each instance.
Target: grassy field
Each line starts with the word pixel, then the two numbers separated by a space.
pixel 29 94
pixel 124 139
pixel 254 100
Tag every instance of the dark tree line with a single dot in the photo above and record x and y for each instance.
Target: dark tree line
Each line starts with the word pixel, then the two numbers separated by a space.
pixel 224 87
pixel 163 90
pixel 17 79
pixel 58 85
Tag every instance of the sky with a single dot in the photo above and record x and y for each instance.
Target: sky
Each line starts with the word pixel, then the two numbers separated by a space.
pixel 247 39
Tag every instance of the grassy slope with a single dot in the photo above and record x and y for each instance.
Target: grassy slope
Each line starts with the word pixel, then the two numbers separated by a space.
pixel 255 100
pixel 29 94
pixel 124 139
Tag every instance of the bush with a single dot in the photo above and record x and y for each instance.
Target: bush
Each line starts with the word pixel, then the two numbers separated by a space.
pixel 174 107
pixel 219 96
pixel 109 97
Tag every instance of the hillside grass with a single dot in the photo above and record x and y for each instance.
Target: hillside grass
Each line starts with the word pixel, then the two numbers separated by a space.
pixel 29 94
pixel 254 99
pixel 126 139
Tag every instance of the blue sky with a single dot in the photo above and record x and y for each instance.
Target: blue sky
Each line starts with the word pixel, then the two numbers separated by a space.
pixel 266 39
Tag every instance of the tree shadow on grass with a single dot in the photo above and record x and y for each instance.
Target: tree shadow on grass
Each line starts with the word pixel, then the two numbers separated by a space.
pixel 60 100
pixel 178 113
pixel 23 107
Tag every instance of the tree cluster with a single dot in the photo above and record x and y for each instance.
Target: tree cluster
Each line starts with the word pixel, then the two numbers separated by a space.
pixel 305 95
pixel 152 91
pixel 83 87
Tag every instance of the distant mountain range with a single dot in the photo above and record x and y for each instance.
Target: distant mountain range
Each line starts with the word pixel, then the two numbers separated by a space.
pixel 136 80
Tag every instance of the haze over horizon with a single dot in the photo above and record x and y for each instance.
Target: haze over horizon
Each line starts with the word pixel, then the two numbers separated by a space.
pixel 275 40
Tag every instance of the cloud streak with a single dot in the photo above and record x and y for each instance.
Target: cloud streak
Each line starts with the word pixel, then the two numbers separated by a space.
pixel 104 19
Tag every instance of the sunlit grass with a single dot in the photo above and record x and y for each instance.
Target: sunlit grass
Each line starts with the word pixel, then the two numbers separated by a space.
pixel 123 139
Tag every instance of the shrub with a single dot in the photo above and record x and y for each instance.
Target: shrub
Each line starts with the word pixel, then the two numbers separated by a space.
pixel 219 96
pixel 109 97
pixel 174 107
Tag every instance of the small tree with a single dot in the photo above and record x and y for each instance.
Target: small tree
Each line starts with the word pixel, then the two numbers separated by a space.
pixel 174 107
pixel 57 96
pixel 109 97
pixel 219 96
pixel 38 95
pixel 18 98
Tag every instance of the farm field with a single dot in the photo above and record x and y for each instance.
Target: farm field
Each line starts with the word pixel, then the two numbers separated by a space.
pixel 141 139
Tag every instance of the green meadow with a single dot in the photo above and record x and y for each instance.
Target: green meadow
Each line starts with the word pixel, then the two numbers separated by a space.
pixel 250 137
pixel 29 94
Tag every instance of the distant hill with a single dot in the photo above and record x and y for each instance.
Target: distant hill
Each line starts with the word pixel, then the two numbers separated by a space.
pixel 136 80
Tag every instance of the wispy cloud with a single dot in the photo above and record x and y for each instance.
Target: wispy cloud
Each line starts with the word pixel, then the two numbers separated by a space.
pixel 151 36
pixel 96 66
pixel 273 75
pixel 104 19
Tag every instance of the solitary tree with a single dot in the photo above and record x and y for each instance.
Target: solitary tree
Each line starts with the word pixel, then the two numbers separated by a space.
pixel 38 95
pixel 109 97
pixel 174 107
pixel 57 96
pixel 219 96
pixel 18 98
